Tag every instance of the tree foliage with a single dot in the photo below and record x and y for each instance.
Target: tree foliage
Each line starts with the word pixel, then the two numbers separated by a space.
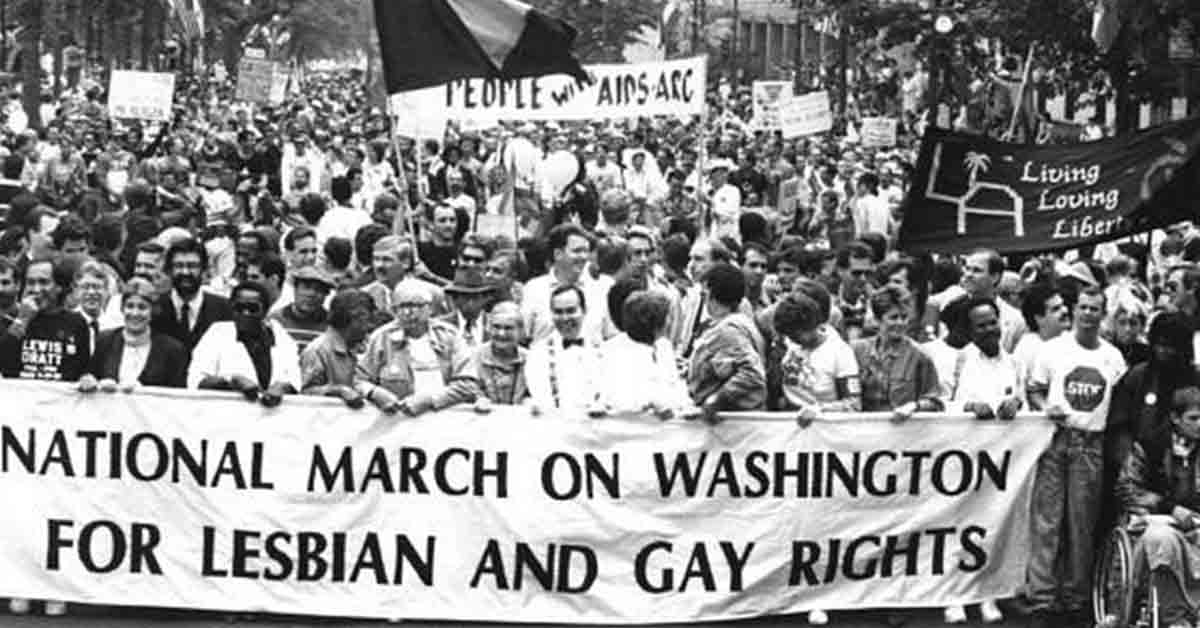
pixel 605 27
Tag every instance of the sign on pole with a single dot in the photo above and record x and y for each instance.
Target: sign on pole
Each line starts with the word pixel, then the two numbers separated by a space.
pixel 806 115
pixel 878 132
pixel 141 95
pixel 257 81
pixel 767 97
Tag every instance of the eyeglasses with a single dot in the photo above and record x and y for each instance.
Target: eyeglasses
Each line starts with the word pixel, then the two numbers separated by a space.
pixel 411 306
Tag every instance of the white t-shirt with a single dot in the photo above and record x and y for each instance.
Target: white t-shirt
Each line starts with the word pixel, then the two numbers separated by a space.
pixel 1026 354
pixel 1081 380
pixel 810 377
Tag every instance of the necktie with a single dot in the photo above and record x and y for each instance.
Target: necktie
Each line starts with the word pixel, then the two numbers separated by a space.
pixel 185 316
pixel 572 342
pixel 95 332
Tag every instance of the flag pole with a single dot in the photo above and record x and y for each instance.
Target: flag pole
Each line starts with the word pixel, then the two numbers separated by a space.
pixel 701 164
pixel 1017 106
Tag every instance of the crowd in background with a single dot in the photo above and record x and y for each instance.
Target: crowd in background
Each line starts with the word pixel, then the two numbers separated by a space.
pixel 590 269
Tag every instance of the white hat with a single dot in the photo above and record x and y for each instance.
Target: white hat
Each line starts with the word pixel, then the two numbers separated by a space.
pixel 719 164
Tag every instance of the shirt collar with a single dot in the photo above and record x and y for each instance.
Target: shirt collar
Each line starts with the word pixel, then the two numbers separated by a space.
pixel 194 303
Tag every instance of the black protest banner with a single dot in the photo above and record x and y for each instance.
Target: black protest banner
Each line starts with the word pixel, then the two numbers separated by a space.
pixel 969 191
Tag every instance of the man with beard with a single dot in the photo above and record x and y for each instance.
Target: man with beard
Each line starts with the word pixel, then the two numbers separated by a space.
pixel 1072 384
pixel 250 354
pixel 186 313
pixel 45 341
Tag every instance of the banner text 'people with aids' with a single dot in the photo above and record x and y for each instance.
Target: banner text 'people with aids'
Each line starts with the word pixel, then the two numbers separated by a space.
pixel 204 501
pixel 674 88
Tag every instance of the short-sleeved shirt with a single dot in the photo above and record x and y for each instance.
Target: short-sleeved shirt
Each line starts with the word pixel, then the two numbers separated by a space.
pixel 327 361
pixel 1080 380
pixel 810 377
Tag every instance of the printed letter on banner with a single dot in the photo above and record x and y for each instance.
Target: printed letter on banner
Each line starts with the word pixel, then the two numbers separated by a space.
pixel 806 115
pixel 201 500
pixel 878 132
pixel 674 88
pixel 141 95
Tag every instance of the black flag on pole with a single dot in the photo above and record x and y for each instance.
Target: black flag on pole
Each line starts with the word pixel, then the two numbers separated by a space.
pixel 432 42
pixel 973 192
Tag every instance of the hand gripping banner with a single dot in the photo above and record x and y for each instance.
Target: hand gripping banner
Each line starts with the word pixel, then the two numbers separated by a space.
pixel 198 500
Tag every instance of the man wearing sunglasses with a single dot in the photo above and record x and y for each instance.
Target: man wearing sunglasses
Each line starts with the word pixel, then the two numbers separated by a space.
pixel 251 354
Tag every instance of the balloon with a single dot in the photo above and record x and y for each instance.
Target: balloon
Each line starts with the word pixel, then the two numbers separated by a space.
pixel 558 170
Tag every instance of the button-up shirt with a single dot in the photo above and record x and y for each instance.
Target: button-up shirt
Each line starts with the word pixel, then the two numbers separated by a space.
pixel 566 378
pixel 501 380
pixel 894 375
pixel 535 306
pixel 392 361
pixel 220 354
pixel 637 375
pixel 980 379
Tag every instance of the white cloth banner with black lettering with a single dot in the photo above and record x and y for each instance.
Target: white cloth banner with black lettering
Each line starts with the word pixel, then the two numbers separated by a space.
pixel 207 501
pixel 673 88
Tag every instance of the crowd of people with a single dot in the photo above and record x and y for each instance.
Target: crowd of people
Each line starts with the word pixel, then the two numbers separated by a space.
pixel 299 250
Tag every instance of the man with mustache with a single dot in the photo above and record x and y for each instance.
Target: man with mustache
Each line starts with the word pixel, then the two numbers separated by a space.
pixel 187 312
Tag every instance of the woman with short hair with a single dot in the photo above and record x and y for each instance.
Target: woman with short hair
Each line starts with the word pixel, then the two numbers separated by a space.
pixel 639 363
pixel 133 354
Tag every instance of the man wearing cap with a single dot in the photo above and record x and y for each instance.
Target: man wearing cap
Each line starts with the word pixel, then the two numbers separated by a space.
pixel 414 364
pixel 725 199
pixel 469 294
pixel 305 317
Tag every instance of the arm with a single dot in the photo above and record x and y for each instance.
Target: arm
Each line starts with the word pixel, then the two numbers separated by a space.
pixel 1133 485
pixel 462 385
pixel 746 387
pixel 847 384
pixel 928 388
pixel 206 359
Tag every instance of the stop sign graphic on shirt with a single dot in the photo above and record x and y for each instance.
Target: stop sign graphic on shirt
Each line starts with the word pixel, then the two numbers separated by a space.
pixel 1084 388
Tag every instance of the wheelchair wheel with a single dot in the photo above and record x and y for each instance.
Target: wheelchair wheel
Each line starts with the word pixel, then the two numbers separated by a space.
pixel 1113 586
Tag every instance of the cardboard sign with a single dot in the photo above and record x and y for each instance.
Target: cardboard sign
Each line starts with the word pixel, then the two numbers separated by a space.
pixel 257 81
pixel 806 115
pixel 141 95
pixel 878 132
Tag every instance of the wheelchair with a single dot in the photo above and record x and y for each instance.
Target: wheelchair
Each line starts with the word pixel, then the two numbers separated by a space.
pixel 1123 594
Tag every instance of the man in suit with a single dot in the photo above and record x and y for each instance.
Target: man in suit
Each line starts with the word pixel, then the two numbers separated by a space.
pixel 186 312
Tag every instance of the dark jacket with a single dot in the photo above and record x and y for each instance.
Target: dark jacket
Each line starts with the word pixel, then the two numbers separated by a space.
pixel 166 320
pixel 1154 480
pixel 166 365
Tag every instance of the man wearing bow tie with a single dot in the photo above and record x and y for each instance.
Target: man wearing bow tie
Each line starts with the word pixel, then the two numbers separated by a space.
pixel 561 369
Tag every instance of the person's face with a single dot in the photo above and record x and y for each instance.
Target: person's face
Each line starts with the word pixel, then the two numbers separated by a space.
pixel 309 296
pixel 186 272
pixel 1089 311
pixel 1057 317
pixel 858 274
pixel 472 258
pixel 445 223
pixel 806 338
pixel 300 178
pixel 39 284
pixel 470 305
pixel 899 279
pixel 246 249
pixel 249 309
pixel 136 311
pixel 305 253
pixel 75 249
pixel 567 314
pixel 788 274
pixel 390 267
pixel 641 256
pixel 1126 328
pixel 412 312
pixel 505 331
pixel 985 330
pixel 498 271
pixel 1187 423
pixel 1165 353
pixel 893 325
pixel 8 288
pixel 699 260
pixel 755 268
pixel 639 161
pixel 92 293
pixel 976 279
pixel 360 326
pixel 1174 293
pixel 454 181
pixel 574 255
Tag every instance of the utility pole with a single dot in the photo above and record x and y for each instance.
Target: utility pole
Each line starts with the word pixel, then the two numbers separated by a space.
pixel 737 27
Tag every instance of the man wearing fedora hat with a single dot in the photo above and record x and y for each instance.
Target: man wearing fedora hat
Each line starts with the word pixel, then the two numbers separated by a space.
pixel 470 294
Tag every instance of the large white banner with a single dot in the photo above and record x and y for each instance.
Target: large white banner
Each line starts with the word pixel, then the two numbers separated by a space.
pixel 206 501
pixel 141 95
pixel 617 91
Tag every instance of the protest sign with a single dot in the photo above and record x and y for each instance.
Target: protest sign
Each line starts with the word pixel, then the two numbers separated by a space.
pixel 141 95
pixel 878 132
pixel 806 115
pixel 617 91
pixel 767 96
pixel 496 225
pixel 969 191
pixel 256 81
pixel 204 501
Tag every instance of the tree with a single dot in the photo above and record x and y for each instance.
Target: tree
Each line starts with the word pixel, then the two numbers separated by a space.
pixel 30 14
pixel 605 27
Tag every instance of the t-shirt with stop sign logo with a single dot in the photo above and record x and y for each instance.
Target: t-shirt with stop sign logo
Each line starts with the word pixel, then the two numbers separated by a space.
pixel 1080 380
